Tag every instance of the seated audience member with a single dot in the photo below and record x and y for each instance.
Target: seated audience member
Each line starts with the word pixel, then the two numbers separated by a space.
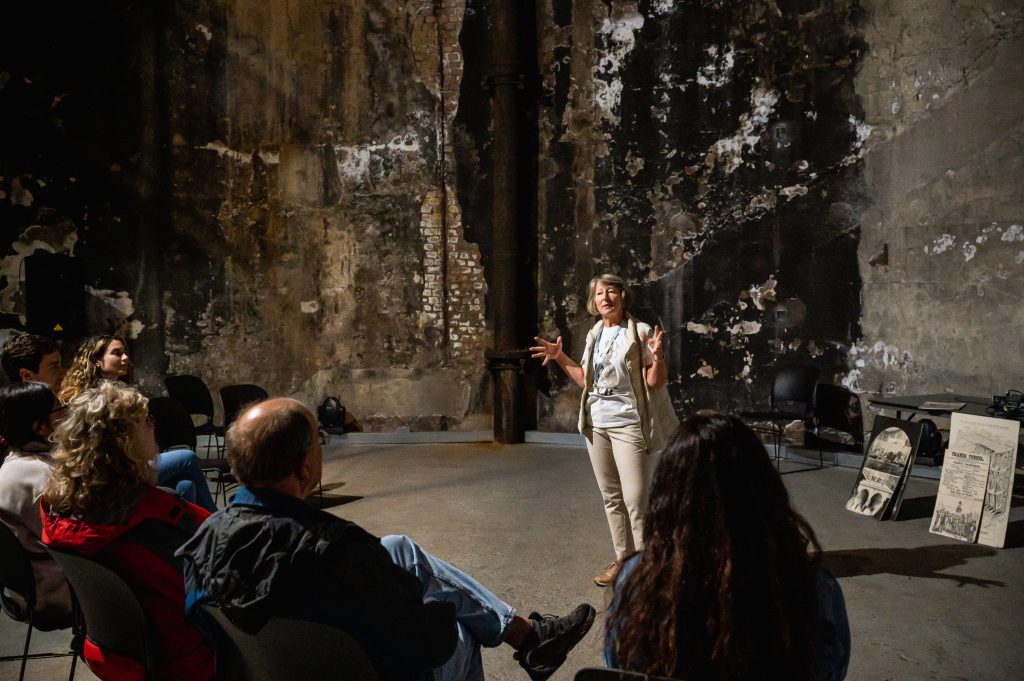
pixel 28 357
pixel 28 412
pixel 729 584
pixel 269 553
pixel 101 503
pixel 106 358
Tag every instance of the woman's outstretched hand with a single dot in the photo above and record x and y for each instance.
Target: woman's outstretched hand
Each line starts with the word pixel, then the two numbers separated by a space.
pixel 653 342
pixel 546 350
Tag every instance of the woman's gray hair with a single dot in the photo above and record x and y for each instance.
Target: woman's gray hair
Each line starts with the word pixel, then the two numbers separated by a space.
pixel 608 280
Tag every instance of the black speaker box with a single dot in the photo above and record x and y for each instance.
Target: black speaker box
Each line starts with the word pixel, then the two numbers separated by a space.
pixel 54 295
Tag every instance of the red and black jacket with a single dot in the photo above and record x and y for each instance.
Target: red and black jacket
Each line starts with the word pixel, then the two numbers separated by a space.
pixel 140 549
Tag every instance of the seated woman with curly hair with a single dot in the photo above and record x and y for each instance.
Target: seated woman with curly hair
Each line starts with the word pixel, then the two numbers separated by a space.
pixel 101 503
pixel 729 584
pixel 105 358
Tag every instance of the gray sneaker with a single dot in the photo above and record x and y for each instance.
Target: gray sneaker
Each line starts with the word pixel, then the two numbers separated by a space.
pixel 557 636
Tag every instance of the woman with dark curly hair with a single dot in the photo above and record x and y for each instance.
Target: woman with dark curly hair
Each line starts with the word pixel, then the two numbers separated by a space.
pixel 729 584
pixel 102 503
pixel 105 358
pixel 98 358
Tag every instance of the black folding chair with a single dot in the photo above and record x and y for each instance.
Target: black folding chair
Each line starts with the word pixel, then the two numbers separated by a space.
pixel 194 395
pixel 18 598
pixel 174 429
pixel 602 674
pixel 792 398
pixel 114 618
pixel 235 397
pixel 291 649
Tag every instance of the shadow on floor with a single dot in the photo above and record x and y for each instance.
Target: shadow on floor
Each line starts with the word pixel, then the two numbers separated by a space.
pixel 328 500
pixel 916 508
pixel 331 500
pixel 923 561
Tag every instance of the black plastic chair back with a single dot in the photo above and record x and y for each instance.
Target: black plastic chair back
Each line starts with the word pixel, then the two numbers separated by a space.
pixel 294 649
pixel 173 424
pixel 192 393
pixel 839 419
pixel 602 674
pixel 16 577
pixel 236 397
pixel 794 389
pixel 114 618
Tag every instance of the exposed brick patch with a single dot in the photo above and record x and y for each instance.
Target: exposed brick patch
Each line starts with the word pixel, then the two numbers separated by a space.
pixel 465 282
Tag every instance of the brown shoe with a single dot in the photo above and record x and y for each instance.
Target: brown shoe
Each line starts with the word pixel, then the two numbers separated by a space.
pixel 607 576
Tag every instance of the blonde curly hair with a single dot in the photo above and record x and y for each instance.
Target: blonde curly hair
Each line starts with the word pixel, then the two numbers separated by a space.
pixel 99 463
pixel 84 372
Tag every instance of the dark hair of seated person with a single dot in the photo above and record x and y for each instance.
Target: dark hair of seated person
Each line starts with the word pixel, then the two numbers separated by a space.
pixel 24 351
pixel 23 407
pixel 725 586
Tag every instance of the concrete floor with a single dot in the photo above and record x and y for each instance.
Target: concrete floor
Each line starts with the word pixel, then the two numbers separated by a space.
pixel 527 522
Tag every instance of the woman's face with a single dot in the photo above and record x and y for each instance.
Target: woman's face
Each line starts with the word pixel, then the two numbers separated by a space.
pixel 114 363
pixel 608 301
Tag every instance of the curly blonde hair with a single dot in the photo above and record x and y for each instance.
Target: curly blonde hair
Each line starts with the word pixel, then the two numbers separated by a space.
pixel 84 372
pixel 99 463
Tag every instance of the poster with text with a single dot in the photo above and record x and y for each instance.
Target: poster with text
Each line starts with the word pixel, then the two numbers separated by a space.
pixel 961 495
pixel 998 439
pixel 883 475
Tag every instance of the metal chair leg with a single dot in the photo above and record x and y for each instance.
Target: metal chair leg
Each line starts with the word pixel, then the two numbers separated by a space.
pixel 24 655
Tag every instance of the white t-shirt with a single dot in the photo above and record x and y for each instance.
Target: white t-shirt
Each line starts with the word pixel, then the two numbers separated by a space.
pixel 611 402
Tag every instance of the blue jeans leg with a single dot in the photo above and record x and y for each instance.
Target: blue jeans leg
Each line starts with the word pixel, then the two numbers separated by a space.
pixel 183 465
pixel 482 616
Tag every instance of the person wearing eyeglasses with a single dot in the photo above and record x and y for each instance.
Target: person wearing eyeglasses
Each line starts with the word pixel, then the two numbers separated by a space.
pixel 29 411
pixel 102 502
pixel 105 358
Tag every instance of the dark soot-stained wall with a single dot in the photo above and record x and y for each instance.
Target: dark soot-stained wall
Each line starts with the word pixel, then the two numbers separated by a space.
pixel 709 153
pixel 297 193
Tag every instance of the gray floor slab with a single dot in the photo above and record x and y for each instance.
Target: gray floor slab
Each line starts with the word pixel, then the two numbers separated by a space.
pixel 527 522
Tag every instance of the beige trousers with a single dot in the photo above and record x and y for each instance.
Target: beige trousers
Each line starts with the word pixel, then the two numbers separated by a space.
pixel 622 467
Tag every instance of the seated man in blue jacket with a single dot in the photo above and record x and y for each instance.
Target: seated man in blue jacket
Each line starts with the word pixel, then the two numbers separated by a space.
pixel 270 554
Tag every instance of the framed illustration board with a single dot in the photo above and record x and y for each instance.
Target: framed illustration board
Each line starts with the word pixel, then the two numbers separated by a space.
pixel 975 492
pixel 889 456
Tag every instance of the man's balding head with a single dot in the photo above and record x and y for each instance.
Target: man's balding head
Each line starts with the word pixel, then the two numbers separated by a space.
pixel 269 442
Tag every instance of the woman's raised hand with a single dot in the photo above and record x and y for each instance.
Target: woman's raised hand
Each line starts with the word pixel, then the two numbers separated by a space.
pixel 653 342
pixel 546 350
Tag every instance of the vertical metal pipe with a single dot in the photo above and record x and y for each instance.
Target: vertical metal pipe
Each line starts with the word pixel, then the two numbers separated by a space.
pixel 504 360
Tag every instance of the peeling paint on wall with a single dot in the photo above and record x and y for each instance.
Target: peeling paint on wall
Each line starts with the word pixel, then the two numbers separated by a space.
pixel 618 33
pixel 729 151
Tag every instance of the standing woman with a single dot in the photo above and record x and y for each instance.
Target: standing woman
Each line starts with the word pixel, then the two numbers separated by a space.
pixel 625 414
pixel 105 358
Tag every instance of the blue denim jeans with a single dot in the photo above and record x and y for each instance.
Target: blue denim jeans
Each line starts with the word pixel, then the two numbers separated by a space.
pixel 481 616
pixel 180 468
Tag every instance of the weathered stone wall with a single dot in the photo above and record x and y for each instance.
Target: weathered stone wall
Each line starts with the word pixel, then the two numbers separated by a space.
pixel 296 193
pixel 942 254
pixel 709 153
